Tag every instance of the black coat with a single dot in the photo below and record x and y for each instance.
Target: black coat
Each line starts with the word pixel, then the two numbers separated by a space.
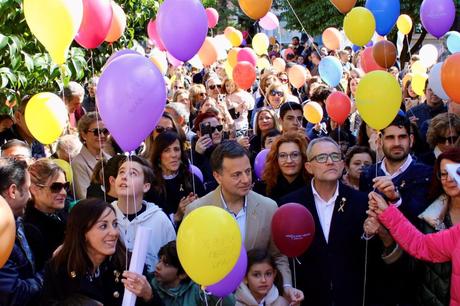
pixel 332 272
pixel 282 187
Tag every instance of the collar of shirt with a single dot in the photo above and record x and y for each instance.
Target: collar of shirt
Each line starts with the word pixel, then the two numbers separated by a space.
pixel 241 212
pixel 400 170
pixel 325 209
pixel 317 196
pixel 437 151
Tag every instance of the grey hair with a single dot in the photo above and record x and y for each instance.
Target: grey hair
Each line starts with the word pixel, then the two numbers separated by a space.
pixel 180 109
pixel 70 144
pixel 319 140
pixel 73 89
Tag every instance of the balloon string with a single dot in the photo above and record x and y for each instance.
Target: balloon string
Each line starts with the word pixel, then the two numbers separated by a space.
pixel 73 182
pixel 62 70
pixel 408 47
pixel 365 273
pixel 295 273
pixel 127 208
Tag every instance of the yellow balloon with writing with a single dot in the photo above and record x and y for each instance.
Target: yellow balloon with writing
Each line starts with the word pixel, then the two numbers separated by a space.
pixel 54 23
pixel 378 98
pixel 208 244
pixel 46 117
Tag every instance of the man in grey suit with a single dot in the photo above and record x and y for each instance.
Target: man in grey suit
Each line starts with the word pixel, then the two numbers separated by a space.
pixel 253 212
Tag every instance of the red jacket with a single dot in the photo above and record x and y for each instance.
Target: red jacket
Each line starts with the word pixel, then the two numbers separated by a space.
pixel 438 247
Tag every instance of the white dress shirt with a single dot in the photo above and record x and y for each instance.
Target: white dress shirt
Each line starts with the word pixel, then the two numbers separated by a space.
pixel 240 217
pixel 325 209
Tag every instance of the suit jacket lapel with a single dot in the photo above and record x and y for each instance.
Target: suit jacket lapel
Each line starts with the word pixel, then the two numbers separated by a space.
pixel 310 204
pixel 337 222
pixel 252 222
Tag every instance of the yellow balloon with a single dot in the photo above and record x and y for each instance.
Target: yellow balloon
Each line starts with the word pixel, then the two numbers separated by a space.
pixel 54 23
pixel 262 63
pixel 378 98
pixel 66 167
pixel 418 68
pixel 406 78
pixel 260 43
pixel 359 26
pixel 234 36
pixel 46 117
pixel 232 56
pixel 208 244
pixel 228 70
pixel 7 231
pixel 418 83
pixel 313 112
pixel 404 24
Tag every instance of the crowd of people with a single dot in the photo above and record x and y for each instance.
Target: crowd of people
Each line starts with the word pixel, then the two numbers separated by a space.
pixel 372 194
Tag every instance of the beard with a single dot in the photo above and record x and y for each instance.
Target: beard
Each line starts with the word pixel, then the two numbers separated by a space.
pixel 395 157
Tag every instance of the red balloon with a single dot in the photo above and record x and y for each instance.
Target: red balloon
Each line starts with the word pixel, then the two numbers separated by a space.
pixel 368 62
pixel 153 34
pixel 338 106
pixel 97 19
pixel 293 229
pixel 244 75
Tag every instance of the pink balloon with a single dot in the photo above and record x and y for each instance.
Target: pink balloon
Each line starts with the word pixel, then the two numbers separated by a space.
pixel 248 55
pixel 173 61
pixel 97 19
pixel 213 17
pixel 153 35
pixel 269 22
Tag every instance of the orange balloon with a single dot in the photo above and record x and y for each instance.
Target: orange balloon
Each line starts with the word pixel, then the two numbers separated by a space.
pixel 279 64
pixel 344 6
pixel 255 9
pixel 232 56
pixel 118 24
pixel 208 52
pixel 244 75
pixel 331 38
pixel 7 231
pixel 272 40
pixel 384 53
pixel 450 76
pixel 313 112
pixel 297 76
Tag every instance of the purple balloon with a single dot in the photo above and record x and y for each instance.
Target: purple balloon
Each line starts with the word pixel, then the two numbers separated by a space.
pixel 182 26
pixel 197 172
pixel 259 163
pixel 131 96
pixel 233 279
pixel 120 53
pixel 437 16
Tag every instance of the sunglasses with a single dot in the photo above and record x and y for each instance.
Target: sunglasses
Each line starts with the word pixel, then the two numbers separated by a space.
pixel 56 187
pixel 451 140
pixel 97 132
pixel 284 81
pixel 277 93
pixel 161 129
pixel 201 94
pixel 212 87
pixel 219 128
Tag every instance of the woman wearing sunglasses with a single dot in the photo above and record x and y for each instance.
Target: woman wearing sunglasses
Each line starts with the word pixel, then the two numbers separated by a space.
pixel 45 216
pixel 275 96
pixel 93 135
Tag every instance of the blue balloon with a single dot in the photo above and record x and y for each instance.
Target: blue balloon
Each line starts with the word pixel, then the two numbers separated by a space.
pixel 356 48
pixel 386 13
pixel 330 70
pixel 453 42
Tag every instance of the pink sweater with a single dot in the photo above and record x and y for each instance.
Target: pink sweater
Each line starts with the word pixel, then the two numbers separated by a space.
pixel 438 247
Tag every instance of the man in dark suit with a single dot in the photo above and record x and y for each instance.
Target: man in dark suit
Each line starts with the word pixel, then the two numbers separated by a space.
pixel 332 269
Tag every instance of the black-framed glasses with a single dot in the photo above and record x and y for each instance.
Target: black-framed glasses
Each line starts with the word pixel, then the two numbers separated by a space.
pixel 450 140
pixel 96 132
pixel 201 94
pixel 443 175
pixel 294 156
pixel 56 187
pixel 277 93
pixel 212 87
pixel 161 129
pixel 323 157
pixel 219 128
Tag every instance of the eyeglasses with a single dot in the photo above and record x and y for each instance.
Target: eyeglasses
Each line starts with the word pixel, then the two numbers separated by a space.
pixel 450 140
pixel 219 128
pixel 97 132
pixel 212 87
pixel 443 176
pixel 294 156
pixel 201 94
pixel 160 129
pixel 322 158
pixel 284 81
pixel 56 187
pixel 277 93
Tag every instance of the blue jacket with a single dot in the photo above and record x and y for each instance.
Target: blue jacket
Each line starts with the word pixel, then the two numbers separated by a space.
pixel 20 283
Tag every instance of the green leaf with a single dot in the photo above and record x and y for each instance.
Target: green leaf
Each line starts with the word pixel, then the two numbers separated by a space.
pixel 4 80
pixel 3 41
pixel 28 61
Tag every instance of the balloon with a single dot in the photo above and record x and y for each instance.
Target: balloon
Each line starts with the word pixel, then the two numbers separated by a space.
pixel 160 60
pixel 330 70
pixel 208 52
pixel 259 163
pixel 97 19
pixel 418 83
pixel 453 42
pixel 406 78
pixel 118 54
pixel 331 38
pixel 131 95
pixel 260 43
pixel 428 55
pixel 279 64
pixel 359 26
pixel 118 25
pixel 223 42
pixel 54 23
pixel 46 117
pixel 293 229
pixel 234 36
pixel 368 62
pixel 233 279
pixel 418 68
pixel 313 112
pixel 7 231
pixel 244 74
pixel 248 55
pixel 197 172
pixel 404 24
pixel 255 9
pixel 232 56
pixel 344 6
pixel 450 74
pixel 437 16
pixel 384 53
pixel 338 106
pixel 213 17
pixel 196 62
pixel 434 79
pixel 173 61
pixel 386 13
pixel 269 22
pixel 153 34
pixel 297 76
pixel 182 27
pixel 228 70
pixel 65 166
pixel 378 98
pixel 263 63
pixel 208 244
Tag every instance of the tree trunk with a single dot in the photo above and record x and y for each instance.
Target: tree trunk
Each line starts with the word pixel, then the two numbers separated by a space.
pixel 405 54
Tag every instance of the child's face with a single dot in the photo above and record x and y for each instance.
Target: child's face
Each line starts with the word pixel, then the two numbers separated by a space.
pixel 260 279
pixel 130 180
pixel 166 274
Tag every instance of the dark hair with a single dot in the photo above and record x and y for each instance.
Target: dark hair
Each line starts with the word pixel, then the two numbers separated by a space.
pixel 96 177
pixel 73 255
pixel 358 150
pixel 270 133
pixel 145 165
pixel 320 94
pixel 287 106
pixel 111 169
pixel 401 122
pixel 363 139
pixel 257 256
pixel 12 171
pixel 436 189
pixel 169 252
pixel 15 143
pixel 227 149
pixel 163 141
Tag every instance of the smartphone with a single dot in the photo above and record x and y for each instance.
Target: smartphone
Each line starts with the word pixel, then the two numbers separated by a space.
pixel 233 113
pixel 206 129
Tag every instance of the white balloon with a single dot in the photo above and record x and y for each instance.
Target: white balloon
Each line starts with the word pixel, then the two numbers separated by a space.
pixel 429 55
pixel 434 80
pixel 196 62
pixel 159 59
pixel 222 45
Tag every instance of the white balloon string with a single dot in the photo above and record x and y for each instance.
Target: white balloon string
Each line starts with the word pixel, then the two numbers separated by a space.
pixel 72 180
pixel 365 273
